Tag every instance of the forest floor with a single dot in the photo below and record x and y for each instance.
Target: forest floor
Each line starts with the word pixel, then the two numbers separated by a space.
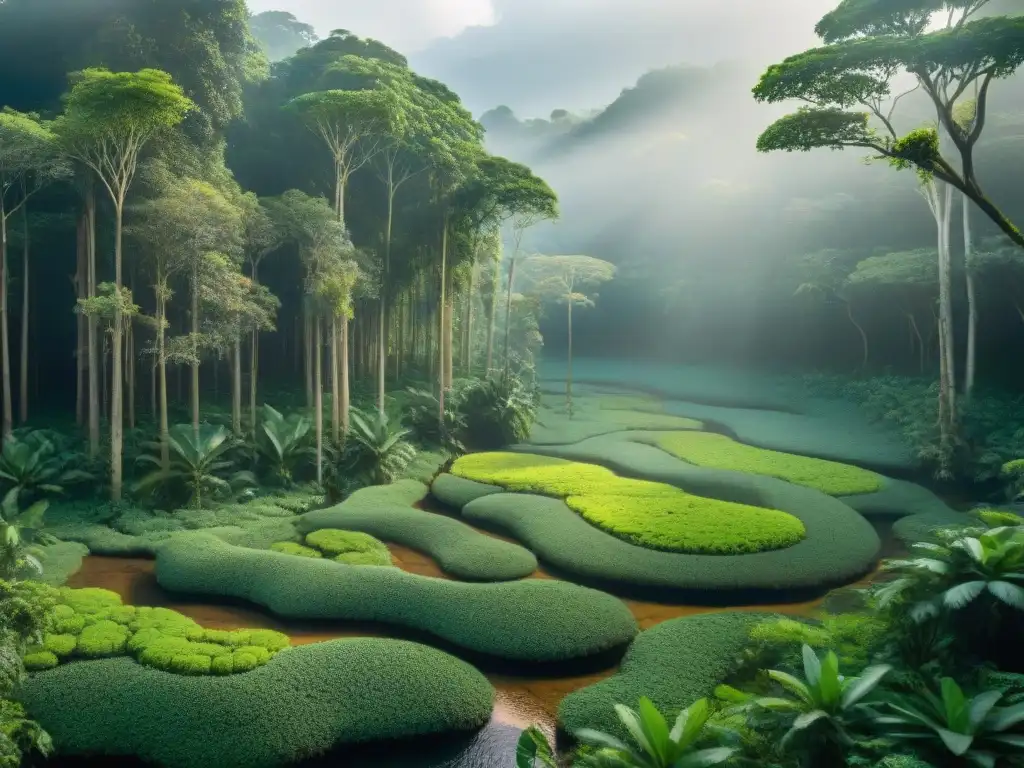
pixel 618 410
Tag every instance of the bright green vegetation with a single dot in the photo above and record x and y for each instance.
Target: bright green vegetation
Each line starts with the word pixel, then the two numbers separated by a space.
pixel 673 664
pixel 349 547
pixel 386 512
pixel 303 702
pixel 93 623
pixel 565 621
pixel 710 450
pixel 293 548
pixel 840 545
pixel 601 415
pixel 648 514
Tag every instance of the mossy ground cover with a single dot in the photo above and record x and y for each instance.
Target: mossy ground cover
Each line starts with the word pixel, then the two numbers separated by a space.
pixel 601 415
pixel 93 623
pixel 766 411
pixel 648 514
pixel 461 551
pixel 706 449
pixel 531 621
pixel 304 702
pixel 840 546
pixel 349 547
pixel 673 664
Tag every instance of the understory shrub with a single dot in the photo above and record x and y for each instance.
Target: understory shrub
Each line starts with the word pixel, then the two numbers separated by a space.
pixel 350 547
pixel 93 623
pixel 720 452
pixel 303 703
pixel 649 514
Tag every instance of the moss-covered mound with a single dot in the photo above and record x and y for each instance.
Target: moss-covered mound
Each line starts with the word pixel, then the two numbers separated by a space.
pixel 648 514
pixel 304 702
pixel 598 416
pixel 385 512
pixel 93 623
pixel 840 545
pixel 522 620
pixel 706 449
pixel 349 547
pixel 673 664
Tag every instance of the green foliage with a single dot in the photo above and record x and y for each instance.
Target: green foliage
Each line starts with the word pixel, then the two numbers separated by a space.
pixel 283 442
pixel 386 512
pixel 961 568
pixel 533 750
pixel 655 745
pixel 375 451
pixel 33 464
pixel 93 623
pixel 673 663
pixel 566 621
pixel 20 532
pixel 294 548
pixel 353 690
pixel 498 412
pixel 199 461
pixel 853 636
pixel 975 731
pixel 350 547
pixel 823 711
pixel 421 416
pixel 707 449
pixel 649 514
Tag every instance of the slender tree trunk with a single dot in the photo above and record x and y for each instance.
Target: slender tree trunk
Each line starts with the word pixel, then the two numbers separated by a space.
pixel 468 360
pixel 91 326
pixel 307 349
pixel 8 419
pixel 568 371
pixel 440 317
pixel 492 316
pixel 254 351
pixel 920 340
pixel 508 310
pixel 195 363
pixel 449 323
pixel 161 357
pixel 236 387
pixel 863 335
pixel 335 384
pixel 972 303
pixel 80 355
pixel 344 376
pixel 946 305
pixel 23 401
pixel 382 360
pixel 116 400
pixel 129 366
pixel 318 402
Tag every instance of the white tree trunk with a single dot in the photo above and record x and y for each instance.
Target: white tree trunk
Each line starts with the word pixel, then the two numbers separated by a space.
pixel 972 304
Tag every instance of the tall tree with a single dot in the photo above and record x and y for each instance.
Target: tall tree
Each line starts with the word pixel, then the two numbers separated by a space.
pixel 108 120
pixel 849 81
pixel 564 279
pixel 281 34
pixel 28 158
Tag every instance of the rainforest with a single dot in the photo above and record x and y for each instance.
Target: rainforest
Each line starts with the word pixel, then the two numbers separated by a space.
pixel 493 384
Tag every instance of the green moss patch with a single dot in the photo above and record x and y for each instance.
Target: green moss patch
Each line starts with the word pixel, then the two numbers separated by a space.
pixel 93 623
pixel 294 548
pixel 840 546
pixel 673 664
pixel 710 450
pixel 350 547
pixel 648 514
pixel 304 702
pixel 535 620
pixel 597 416
pixel 385 511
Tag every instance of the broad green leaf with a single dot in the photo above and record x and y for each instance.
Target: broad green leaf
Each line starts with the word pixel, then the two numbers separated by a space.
pixel 865 684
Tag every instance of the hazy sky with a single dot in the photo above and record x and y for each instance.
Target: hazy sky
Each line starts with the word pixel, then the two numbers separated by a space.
pixel 539 55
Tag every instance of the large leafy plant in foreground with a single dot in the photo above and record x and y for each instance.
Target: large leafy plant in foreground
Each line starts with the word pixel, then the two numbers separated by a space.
pixel 32 464
pixel 199 459
pixel 375 451
pixel 974 731
pixel 655 746
pixel 498 412
pixel 283 442
pixel 20 533
pixel 823 711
